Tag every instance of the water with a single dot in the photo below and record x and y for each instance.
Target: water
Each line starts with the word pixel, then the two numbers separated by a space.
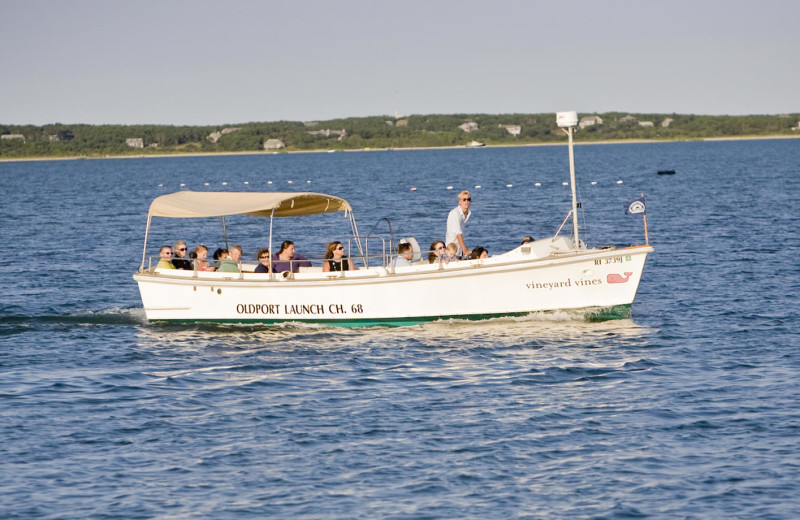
pixel 687 410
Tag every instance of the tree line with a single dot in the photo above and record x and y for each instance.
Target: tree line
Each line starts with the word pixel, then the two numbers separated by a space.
pixel 82 140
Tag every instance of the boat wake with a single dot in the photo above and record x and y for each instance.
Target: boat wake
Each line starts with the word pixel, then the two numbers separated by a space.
pixel 17 324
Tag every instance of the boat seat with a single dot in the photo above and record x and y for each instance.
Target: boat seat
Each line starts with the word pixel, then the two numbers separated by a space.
pixel 309 269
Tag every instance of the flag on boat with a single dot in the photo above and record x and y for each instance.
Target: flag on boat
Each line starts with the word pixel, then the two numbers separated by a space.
pixel 635 207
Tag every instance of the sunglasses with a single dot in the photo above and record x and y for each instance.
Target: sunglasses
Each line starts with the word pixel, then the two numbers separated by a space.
pixel 339 248
pixel 181 249
pixel 468 199
pixel 263 257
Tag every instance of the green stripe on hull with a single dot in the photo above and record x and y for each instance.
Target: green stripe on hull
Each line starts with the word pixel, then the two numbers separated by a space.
pixel 607 313
pixel 617 312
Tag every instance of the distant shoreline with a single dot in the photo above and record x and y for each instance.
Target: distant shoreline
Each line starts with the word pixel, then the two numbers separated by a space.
pixel 459 147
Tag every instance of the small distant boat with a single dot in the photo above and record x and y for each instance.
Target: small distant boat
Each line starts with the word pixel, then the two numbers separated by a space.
pixel 475 144
pixel 666 172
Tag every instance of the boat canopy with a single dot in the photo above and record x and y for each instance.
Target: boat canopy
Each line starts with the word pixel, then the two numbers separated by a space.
pixel 193 204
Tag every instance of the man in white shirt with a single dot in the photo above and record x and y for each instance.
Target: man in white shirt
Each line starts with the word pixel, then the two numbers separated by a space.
pixel 456 222
pixel 404 255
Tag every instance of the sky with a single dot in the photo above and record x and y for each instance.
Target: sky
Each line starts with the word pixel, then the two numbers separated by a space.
pixel 204 62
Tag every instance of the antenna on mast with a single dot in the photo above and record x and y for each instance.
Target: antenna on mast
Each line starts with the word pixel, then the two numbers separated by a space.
pixel 568 121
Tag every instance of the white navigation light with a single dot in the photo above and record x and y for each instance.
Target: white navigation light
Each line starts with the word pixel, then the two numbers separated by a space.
pixel 567 119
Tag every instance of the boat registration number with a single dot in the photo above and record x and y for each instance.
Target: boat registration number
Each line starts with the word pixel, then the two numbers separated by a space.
pixel 613 260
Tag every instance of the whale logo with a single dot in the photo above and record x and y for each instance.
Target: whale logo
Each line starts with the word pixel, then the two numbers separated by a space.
pixel 615 278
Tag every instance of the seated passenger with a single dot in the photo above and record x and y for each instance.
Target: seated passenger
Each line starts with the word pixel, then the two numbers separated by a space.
pixel 335 259
pixel 527 239
pixel 220 254
pixel 200 262
pixel 479 252
pixel 263 261
pixel 452 253
pixel 165 260
pixel 287 260
pixel 179 259
pixel 437 252
pixel 405 253
pixel 231 263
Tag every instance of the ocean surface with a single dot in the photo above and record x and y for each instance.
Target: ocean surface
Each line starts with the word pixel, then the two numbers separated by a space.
pixel 689 409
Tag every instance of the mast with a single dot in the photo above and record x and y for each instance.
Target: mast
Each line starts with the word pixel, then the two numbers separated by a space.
pixel 567 121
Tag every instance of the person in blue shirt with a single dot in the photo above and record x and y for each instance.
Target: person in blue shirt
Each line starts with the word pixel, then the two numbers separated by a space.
pixel 263 261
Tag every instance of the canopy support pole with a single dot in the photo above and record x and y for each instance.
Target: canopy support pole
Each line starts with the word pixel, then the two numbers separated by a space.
pixel 224 232
pixel 644 220
pixel 271 216
pixel 144 249
pixel 354 229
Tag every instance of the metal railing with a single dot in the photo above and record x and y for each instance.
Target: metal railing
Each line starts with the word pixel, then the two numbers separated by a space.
pixel 372 256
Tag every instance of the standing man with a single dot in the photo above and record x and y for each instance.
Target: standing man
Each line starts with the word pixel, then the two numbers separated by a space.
pixel 456 221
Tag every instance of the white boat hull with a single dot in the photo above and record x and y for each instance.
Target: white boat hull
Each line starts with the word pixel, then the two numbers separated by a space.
pixel 601 282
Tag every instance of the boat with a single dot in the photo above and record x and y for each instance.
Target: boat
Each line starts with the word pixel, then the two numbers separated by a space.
pixel 557 273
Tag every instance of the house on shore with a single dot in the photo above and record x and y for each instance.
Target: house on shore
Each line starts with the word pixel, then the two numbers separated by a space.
pixel 590 121
pixel 328 132
pixel 273 144
pixel 512 129
pixel 215 136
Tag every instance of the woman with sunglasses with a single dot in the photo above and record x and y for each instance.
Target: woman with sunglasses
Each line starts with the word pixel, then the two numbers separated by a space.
pixel 335 259
pixel 437 252
pixel 179 260
pixel 263 261
pixel 165 258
